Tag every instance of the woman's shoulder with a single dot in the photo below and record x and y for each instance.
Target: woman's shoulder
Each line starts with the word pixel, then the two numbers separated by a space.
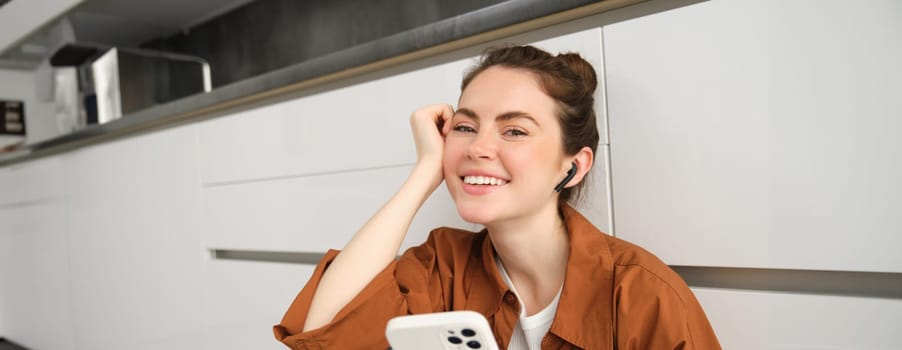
pixel 635 265
pixel 648 294
pixel 626 253
pixel 629 263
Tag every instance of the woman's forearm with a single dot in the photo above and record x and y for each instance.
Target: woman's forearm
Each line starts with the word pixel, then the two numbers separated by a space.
pixel 372 248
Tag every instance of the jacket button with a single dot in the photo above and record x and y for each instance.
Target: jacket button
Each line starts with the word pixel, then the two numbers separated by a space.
pixel 509 298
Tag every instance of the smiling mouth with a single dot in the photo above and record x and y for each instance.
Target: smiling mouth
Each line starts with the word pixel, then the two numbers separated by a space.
pixel 483 180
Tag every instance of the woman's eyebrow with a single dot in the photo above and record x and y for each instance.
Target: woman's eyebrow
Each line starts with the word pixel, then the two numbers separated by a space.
pixel 467 113
pixel 517 115
pixel 502 117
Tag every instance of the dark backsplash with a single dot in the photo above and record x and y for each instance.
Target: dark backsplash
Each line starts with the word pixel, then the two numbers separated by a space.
pixel 266 35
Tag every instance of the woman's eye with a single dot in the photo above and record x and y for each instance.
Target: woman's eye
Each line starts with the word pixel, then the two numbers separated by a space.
pixel 514 132
pixel 464 128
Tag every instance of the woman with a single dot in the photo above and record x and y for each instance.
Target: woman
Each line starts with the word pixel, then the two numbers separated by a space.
pixel 513 154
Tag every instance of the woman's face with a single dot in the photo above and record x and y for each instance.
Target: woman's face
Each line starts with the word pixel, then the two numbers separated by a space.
pixel 503 155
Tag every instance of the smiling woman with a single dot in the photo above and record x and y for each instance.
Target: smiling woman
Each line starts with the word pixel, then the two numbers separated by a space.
pixel 541 274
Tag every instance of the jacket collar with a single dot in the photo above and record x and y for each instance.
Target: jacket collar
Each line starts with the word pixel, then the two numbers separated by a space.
pixel 584 313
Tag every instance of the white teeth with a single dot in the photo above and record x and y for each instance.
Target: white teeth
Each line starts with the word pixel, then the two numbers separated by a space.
pixel 483 180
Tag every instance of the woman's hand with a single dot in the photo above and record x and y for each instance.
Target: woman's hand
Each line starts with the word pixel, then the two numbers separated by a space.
pixel 430 124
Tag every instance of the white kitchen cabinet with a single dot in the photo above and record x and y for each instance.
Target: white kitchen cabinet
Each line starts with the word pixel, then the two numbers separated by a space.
pixel 35 309
pixel 24 184
pixel 757 320
pixel 136 256
pixel 313 213
pixel 355 127
pixel 759 133
pixel 242 300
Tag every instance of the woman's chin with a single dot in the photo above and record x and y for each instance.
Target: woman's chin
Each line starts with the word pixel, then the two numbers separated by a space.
pixel 475 214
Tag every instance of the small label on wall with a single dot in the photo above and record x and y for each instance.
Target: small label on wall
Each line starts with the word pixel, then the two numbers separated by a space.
pixel 12 117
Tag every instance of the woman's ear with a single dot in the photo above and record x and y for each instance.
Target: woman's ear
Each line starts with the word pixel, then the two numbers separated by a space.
pixel 583 160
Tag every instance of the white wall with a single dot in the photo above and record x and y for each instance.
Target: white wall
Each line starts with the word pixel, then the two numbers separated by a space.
pixel 40 121
pixel 747 319
pixel 33 249
pixel 764 134
pixel 760 128
pixel 34 255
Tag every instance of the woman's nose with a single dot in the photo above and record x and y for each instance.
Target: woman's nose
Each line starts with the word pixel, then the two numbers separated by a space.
pixel 483 146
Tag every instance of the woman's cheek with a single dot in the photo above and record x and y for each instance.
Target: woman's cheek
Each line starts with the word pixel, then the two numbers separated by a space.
pixel 451 153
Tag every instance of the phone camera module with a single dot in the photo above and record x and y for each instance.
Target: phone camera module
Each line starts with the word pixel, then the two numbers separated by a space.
pixel 474 344
pixel 455 340
pixel 468 332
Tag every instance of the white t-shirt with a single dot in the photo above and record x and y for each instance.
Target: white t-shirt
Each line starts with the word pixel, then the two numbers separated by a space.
pixel 529 330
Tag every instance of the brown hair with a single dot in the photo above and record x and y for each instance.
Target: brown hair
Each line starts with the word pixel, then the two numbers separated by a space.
pixel 570 81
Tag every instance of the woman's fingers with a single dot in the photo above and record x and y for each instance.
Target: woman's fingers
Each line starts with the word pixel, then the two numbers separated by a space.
pixel 430 124
pixel 447 113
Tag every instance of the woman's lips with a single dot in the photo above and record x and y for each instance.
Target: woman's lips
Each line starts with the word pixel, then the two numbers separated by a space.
pixel 478 190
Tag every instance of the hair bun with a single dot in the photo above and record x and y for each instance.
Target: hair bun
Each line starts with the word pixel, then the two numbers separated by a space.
pixel 582 68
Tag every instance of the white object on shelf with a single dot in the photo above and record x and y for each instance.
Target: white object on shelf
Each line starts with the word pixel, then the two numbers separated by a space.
pixel 106 85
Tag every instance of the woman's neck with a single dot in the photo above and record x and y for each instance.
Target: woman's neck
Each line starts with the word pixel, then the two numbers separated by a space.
pixel 534 250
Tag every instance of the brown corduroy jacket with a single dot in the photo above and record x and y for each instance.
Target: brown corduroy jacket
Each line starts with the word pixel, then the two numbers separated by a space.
pixel 615 296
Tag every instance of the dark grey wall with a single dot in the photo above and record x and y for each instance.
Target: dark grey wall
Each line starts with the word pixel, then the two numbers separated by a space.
pixel 269 34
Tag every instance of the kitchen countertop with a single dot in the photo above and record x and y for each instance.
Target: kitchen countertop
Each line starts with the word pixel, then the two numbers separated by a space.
pixel 417 43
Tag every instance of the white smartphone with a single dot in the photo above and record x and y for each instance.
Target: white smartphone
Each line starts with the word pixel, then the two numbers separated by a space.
pixel 453 330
